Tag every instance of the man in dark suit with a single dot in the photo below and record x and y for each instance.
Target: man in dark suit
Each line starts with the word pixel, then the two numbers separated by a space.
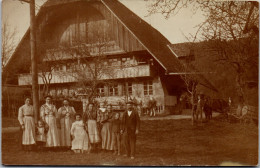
pixel 130 128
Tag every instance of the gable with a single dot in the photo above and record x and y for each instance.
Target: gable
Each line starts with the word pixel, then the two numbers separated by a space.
pixel 151 39
pixel 129 31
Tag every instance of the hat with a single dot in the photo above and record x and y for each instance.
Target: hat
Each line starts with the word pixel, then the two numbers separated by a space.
pixel 66 99
pixel 47 97
pixel 78 114
pixel 27 98
pixel 90 103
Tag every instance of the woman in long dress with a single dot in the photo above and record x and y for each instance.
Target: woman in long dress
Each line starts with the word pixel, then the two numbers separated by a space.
pixel 80 141
pixel 90 118
pixel 106 131
pixel 66 116
pixel 48 115
pixel 26 120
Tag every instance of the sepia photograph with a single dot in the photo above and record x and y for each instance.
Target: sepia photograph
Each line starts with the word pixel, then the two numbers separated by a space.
pixel 129 82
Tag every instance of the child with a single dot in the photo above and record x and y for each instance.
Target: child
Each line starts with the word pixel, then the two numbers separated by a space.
pixel 100 116
pixel 80 141
pixel 116 123
pixel 40 135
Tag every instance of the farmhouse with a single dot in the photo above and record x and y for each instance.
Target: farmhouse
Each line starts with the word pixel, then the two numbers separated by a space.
pixel 137 60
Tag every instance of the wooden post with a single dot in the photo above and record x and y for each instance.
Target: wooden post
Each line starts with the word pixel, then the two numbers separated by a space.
pixel 8 104
pixel 34 60
pixel 126 90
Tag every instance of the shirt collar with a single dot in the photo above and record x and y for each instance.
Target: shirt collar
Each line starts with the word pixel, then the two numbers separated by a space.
pixel 129 113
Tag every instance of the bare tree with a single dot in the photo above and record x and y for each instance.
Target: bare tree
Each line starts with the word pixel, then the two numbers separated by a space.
pixel 243 13
pixel 52 60
pixel 231 28
pixel 190 76
pixel 85 56
pixel 8 41
pixel 91 68
pixel 92 71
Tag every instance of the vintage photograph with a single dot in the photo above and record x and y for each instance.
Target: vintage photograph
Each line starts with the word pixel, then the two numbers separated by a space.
pixel 130 82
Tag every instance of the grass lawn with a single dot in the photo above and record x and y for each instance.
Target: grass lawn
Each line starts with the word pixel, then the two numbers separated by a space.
pixel 167 142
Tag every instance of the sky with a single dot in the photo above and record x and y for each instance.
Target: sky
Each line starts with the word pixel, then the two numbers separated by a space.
pixel 176 29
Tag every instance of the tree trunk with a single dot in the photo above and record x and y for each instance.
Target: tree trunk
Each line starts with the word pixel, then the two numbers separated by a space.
pixel 47 89
pixel 44 90
pixel 241 96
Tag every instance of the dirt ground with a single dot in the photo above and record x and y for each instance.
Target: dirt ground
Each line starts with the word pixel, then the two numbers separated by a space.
pixel 160 142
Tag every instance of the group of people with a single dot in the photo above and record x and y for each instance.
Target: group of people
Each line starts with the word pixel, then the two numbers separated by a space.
pixel 98 127
pixel 200 103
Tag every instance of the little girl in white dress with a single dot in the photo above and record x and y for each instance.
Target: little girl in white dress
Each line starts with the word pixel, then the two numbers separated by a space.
pixel 40 135
pixel 80 142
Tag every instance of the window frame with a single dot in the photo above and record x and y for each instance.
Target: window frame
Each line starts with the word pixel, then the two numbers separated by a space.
pixel 130 86
pixel 115 90
pixel 148 87
pixel 101 91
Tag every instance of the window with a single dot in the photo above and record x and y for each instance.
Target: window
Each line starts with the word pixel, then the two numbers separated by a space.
pixel 59 92
pixel 58 68
pixel 142 60
pixel 113 90
pixel 68 67
pixel 114 62
pixel 80 91
pixel 127 61
pixel 101 91
pixel 71 92
pixel 130 88
pixel 71 66
pixel 148 88
pixel 53 92
pixel 65 92
pixel 127 88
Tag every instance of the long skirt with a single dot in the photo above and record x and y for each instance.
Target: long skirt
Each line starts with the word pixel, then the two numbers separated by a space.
pixel 29 131
pixel 116 141
pixel 106 136
pixel 66 124
pixel 81 139
pixel 59 135
pixel 53 139
pixel 93 131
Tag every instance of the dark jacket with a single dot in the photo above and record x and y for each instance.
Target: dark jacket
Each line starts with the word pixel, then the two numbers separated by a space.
pixel 130 123
pixel 116 125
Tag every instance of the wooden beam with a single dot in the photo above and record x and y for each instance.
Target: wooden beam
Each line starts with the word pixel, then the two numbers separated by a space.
pixel 34 61
pixel 26 1
pixel 189 73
